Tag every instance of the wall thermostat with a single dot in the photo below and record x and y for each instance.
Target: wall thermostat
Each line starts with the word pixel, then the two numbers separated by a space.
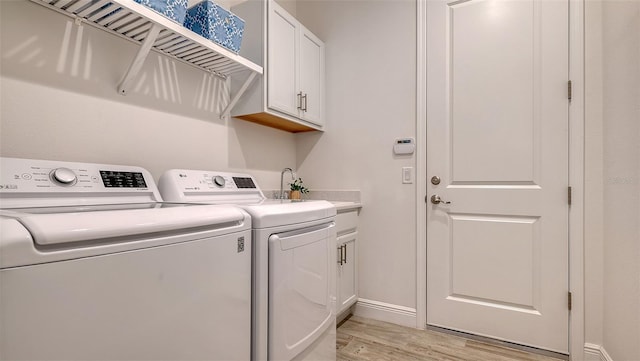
pixel 404 146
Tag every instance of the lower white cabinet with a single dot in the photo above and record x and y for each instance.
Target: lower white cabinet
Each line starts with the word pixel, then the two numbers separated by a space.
pixel 346 275
pixel 346 281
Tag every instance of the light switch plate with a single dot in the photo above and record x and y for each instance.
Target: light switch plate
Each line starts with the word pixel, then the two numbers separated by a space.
pixel 407 175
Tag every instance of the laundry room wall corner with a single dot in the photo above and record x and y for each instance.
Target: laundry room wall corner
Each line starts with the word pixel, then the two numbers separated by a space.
pixel 370 103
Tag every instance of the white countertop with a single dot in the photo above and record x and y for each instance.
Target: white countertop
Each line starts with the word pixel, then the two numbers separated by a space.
pixel 344 206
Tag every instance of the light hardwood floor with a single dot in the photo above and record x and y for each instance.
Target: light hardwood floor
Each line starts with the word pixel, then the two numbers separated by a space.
pixel 364 339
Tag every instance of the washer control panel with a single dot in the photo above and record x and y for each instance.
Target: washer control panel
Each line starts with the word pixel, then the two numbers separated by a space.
pixel 29 175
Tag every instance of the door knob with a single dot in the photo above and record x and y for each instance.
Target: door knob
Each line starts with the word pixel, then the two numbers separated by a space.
pixel 435 199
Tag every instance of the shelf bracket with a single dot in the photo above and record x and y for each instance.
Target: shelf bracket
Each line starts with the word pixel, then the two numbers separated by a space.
pixel 138 61
pixel 227 110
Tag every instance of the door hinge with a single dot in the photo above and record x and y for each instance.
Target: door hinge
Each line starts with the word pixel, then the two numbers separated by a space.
pixel 569 90
pixel 569 195
pixel 426 199
pixel 569 301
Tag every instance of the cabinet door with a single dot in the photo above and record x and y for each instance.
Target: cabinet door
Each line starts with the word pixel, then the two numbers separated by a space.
pixel 347 280
pixel 311 77
pixel 282 92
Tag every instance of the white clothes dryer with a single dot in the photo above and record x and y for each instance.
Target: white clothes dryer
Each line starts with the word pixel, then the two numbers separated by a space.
pixel 94 267
pixel 294 255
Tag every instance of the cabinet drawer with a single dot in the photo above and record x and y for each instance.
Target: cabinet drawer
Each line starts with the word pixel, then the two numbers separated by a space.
pixel 346 222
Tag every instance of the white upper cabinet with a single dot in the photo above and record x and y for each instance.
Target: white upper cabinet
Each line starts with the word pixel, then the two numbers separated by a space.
pixel 291 94
pixel 283 50
pixel 311 75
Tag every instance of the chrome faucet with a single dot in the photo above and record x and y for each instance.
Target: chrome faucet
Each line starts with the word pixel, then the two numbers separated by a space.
pixel 293 177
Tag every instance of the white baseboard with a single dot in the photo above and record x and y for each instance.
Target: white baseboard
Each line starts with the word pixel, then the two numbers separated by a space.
pixel 593 352
pixel 399 315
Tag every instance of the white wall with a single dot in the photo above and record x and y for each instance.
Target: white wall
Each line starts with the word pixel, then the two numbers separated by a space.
pixel 59 101
pixel 370 64
pixel 621 145
pixel 594 176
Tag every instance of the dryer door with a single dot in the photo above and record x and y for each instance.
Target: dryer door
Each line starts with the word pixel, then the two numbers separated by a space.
pixel 301 289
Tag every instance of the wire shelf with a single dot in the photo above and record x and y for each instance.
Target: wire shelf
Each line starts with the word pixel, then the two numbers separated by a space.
pixel 134 21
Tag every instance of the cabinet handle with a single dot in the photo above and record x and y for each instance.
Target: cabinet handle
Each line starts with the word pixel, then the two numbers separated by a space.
pixel 345 252
pixel 340 256
pixel 304 109
pixel 300 101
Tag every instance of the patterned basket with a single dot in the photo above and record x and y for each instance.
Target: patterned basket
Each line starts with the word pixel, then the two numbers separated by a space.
pixel 216 23
pixel 172 9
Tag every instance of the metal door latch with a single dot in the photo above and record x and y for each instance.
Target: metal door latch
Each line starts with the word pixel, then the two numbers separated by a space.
pixel 435 199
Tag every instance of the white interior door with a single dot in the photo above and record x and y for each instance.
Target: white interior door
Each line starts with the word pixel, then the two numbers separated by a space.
pixel 497 133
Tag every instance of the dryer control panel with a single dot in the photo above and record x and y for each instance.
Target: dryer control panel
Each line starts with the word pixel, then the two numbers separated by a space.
pixel 181 185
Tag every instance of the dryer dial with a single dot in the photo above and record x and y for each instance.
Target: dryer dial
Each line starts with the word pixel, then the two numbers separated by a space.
pixel 219 181
pixel 64 176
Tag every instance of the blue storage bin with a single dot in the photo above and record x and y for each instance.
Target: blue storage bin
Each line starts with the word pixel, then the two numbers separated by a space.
pixel 216 23
pixel 172 9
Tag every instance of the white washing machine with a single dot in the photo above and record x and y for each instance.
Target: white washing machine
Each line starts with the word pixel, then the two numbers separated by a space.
pixel 94 267
pixel 293 265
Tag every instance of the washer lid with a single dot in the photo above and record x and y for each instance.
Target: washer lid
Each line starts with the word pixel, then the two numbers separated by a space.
pixel 64 225
pixel 276 212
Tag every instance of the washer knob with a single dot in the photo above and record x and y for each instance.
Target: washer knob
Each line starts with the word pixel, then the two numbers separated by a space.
pixel 219 181
pixel 64 176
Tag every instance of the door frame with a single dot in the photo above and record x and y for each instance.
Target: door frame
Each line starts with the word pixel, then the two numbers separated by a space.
pixel 576 173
